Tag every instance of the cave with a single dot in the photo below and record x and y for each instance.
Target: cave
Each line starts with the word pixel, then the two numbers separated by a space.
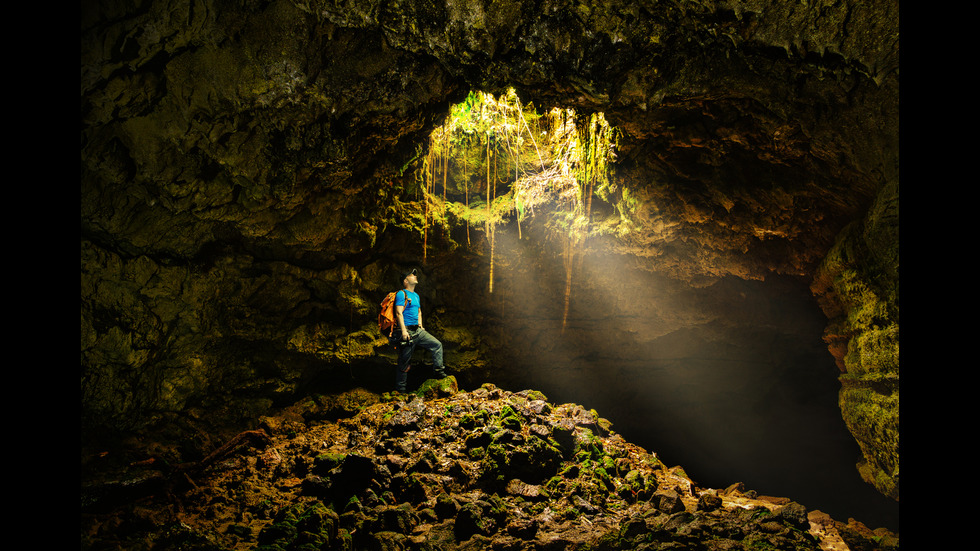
pixel 712 268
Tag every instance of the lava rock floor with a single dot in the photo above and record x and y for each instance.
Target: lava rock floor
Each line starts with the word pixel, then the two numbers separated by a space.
pixel 441 469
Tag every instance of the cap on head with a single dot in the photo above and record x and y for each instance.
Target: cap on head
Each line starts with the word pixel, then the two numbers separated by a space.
pixel 406 274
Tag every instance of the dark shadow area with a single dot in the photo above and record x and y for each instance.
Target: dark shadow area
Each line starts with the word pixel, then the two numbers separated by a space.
pixel 731 381
pixel 786 439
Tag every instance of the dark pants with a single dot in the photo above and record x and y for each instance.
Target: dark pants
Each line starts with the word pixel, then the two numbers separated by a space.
pixel 420 339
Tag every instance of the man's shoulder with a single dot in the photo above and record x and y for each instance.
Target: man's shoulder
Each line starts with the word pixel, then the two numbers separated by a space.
pixel 405 293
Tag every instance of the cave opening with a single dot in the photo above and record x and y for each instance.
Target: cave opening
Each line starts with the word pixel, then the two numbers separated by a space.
pixel 495 161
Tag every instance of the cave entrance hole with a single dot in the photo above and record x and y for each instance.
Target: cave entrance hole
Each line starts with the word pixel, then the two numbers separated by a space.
pixel 496 160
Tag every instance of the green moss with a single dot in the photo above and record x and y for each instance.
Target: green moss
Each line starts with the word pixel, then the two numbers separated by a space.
pixel 602 475
pixel 861 282
pixel 498 507
pixel 536 395
pixel 510 419
pixel 493 466
pixel 608 463
pixel 299 525
pixel 588 447
pixel 434 388
pixel 353 504
pixel 470 421
pixel 636 486
pixel 652 461
pixel 858 286
pixel 877 350
pixel 872 417
pixel 754 542
pixel 326 462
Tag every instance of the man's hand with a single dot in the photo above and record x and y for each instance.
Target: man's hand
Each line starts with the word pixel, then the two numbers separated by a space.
pixel 404 336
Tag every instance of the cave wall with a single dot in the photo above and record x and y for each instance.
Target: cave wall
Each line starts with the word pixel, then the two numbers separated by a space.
pixel 857 285
pixel 248 169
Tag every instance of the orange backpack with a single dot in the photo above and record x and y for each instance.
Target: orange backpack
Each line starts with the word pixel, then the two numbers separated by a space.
pixel 386 319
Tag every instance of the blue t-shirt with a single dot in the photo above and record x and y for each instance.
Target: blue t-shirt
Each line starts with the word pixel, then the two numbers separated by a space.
pixel 411 313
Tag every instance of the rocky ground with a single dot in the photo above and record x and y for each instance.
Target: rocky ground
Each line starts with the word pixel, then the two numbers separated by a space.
pixel 437 469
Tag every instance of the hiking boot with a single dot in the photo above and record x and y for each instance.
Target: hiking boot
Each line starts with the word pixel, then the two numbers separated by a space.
pixel 439 373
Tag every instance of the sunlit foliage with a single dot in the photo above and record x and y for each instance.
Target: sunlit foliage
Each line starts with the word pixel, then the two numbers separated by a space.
pixel 495 161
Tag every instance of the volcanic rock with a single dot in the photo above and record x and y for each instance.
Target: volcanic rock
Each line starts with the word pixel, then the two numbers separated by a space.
pixel 339 492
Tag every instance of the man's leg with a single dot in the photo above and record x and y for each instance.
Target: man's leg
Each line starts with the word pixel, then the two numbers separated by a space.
pixel 433 345
pixel 404 364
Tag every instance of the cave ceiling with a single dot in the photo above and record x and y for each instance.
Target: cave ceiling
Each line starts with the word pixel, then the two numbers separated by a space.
pixel 751 132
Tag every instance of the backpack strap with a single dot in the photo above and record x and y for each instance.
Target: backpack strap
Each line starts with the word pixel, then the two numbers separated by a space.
pixel 408 301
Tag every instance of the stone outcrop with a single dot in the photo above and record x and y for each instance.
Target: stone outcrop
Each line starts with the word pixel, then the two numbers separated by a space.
pixel 443 469
pixel 248 169
pixel 858 287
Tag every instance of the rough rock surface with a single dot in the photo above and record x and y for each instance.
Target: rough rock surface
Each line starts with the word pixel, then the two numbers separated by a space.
pixel 858 286
pixel 439 469
pixel 247 168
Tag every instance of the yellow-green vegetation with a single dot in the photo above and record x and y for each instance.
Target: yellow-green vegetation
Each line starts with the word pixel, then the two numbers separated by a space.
pixel 434 388
pixel 872 415
pixel 497 161
pixel 858 286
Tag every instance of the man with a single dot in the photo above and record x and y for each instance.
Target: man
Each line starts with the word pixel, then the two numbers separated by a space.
pixel 408 315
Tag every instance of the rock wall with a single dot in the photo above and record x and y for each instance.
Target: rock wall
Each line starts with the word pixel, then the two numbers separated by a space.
pixel 247 175
pixel 858 286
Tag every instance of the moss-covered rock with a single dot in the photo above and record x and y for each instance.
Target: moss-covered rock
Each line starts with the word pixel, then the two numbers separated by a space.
pixel 859 289
pixel 357 484
pixel 435 388
pixel 298 525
